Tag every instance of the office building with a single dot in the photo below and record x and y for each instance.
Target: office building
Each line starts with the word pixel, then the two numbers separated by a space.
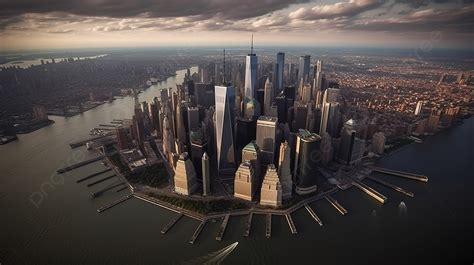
pixel 351 149
pixel 378 143
pixel 332 95
pixel 245 182
pixel 280 67
pixel 268 97
pixel 271 190
pixel 303 70
pixel 250 74
pixel 122 137
pixel 419 108
pixel 224 125
pixel 185 181
pixel 306 157
pixel 206 176
pixel 330 119
pixel 266 138
pixel 284 170
pixel 326 149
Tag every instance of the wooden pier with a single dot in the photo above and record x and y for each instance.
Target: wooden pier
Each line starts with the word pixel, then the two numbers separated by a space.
pixel 291 224
pixel 268 225
pixel 109 187
pixel 401 190
pixel 171 223
pixel 100 180
pixel 336 204
pixel 370 191
pixel 93 175
pixel 313 214
pixel 220 235
pixel 401 174
pixel 248 225
pixel 80 164
pixel 114 203
pixel 197 232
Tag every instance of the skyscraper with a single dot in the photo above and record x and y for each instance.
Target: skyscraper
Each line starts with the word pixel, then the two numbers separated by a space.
pixel 251 74
pixel 378 143
pixel 419 107
pixel 268 97
pixel 284 170
pixel 351 148
pixel 225 98
pixel 266 138
pixel 280 67
pixel 331 95
pixel 245 182
pixel 122 137
pixel 271 190
pixel 326 149
pixel 185 181
pixel 329 119
pixel 306 158
pixel 206 181
pixel 303 70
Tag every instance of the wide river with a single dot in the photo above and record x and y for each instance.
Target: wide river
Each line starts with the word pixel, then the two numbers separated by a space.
pixel 50 219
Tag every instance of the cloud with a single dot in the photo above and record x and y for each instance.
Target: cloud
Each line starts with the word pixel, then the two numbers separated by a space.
pixel 229 9
pixel 339 9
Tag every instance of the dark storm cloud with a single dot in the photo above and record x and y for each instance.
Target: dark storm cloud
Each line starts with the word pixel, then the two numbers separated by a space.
pixel 229 9
pixel 339 9
pixel 420 3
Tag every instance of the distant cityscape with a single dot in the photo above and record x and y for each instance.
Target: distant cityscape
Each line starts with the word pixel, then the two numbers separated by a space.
pixel 263 136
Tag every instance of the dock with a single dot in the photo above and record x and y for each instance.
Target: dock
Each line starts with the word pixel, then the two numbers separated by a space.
pixel 109 187
pixel 223 227
pixel 370 191
pixel 100 180
pixel 313 214
pixel 171 223
pixel 114 203
pixel 248 225
pixel 197 232
pixel 401 174
pixel 336 204
pixel 93 175
pixel 83 142
pixel 108 125
pixel 291 224
pixel 401 190
pixel 268 225
pixel 80 164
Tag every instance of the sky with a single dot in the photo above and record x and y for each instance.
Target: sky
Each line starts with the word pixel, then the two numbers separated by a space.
pixel 62 24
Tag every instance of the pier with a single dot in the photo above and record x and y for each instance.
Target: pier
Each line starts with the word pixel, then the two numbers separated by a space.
pixel 401 174
pixel 114 203
pixel 291 224
pixel 313 214
pixel 223 227
pixel 80 164
pixel 248 225
pixel 370 191
pixel 93 175
pixel 268 226
pixel 197 232
pixel 102 191
pixel 171 223
pixel 100 180
pixel 336 204
pixel 401 190
pixel 108 125
pixel 83 142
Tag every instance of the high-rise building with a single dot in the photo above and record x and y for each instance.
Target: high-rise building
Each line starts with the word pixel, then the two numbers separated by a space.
pixel 245 181
pixel 284 170
pixel 268 97
pixel 332 95
pixel 206 176
pixel 266 138
pixel 306 157
pixel 280 67
pixel 326 149
pixel 271 190
pixel 419 108
pixel 155 116
pixel 168 140
pixel 185 181
pixel 198 146
pixel 281 107
pixel 351 148
pixel 303 70
pixel 250 74
pixel 329 119
pixel 225 97
pixel 378 143
pixel 193 118
pixel 122 137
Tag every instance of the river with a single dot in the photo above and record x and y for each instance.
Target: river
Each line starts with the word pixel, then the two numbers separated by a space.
pixel 50 219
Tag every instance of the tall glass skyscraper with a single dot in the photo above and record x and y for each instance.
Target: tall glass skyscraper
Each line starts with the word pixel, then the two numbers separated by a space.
pixel 303 70
pixel 225 102
pixel 308 153
pixel 250 75
pixel 280 67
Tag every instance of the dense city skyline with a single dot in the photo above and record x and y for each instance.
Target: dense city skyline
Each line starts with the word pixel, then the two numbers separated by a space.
pixel 364 23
